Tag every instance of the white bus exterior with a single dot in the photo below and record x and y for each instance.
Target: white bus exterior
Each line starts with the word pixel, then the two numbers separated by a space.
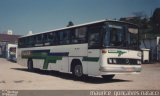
pixel 102 48
pixel 11 52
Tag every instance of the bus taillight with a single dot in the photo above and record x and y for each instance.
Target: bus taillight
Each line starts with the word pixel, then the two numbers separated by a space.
pixel 104 51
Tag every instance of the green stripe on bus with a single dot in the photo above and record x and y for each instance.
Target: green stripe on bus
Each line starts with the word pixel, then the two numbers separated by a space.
pixel 92 59
pixel 47 59
pixel 51 59
pixel 119 52
pixel 36 56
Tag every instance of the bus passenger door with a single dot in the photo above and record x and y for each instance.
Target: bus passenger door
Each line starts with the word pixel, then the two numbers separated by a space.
pixel 94 41
pixel 93 61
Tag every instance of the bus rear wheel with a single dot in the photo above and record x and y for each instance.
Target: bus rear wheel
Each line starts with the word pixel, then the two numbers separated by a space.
pixel 30 65
pixel 108 77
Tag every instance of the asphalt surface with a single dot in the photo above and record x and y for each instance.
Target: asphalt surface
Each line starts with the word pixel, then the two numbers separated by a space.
pixel 16 77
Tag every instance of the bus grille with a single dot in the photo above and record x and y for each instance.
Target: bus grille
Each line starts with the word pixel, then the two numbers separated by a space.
pixel 124 61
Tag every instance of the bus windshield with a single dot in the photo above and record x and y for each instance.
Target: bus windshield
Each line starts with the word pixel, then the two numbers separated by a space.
pixel 132 38
pixel 121 36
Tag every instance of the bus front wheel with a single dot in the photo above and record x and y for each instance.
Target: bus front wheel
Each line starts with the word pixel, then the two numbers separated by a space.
pixel 78 71
pixel 108 77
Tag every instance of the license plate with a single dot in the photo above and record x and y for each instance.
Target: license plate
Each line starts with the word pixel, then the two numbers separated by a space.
pixel 129 69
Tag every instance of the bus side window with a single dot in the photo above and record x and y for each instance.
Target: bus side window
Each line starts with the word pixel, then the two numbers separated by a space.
pixel 32 41
pixel 79 35
pixel 74 36
pixel 64 37
pixel 45 38
pixel 25 42
pixel 20 43
pixel 94 39
pixel 38 38
pixel 51 38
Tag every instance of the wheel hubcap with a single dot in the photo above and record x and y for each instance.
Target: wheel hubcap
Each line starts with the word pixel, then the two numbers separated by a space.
pixel 78 70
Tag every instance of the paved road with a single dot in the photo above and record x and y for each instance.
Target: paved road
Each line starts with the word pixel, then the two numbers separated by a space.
pixel 16 77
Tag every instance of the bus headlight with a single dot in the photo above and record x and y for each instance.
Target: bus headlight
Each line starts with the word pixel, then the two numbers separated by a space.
pixel 110 61
pixel 138 61
pixel 114 61
pixel 139 54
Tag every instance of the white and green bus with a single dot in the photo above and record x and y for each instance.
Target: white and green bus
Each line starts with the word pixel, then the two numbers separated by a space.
pixel 102 48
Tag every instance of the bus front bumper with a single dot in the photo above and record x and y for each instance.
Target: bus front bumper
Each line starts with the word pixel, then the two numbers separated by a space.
pixel 120 69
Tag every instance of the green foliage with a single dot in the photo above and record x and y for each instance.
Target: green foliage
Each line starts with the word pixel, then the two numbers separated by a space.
pixel 149 27
pixel 70 23
pixel 155 21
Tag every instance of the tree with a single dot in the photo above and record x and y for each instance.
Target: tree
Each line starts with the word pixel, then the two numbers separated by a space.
pixel 70 23
pixel 142 22
pixel 155 19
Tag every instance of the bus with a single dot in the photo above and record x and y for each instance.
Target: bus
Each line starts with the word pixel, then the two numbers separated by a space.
pixel 11 53
pixel 101 48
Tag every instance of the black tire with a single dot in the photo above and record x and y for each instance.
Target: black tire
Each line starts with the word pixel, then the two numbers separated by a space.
pixel 30 65
pixel 78 71
pixel 108 77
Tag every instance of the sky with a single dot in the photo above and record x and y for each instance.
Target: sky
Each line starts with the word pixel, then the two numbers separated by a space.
pixel 22 16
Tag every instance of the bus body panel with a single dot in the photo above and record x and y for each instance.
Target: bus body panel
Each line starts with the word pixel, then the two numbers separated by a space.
pixel 93 61
pixel 37 63
pixel 11 52
pixel 63 56
pixel 126 61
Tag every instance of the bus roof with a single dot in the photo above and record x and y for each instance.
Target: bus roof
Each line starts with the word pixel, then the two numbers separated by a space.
pixel 79 25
